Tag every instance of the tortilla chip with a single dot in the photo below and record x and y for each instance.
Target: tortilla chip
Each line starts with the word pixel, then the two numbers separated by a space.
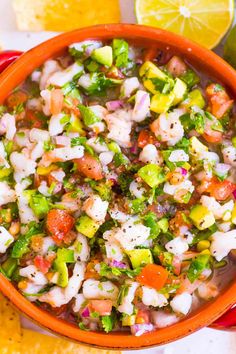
pixel 10 328
pixel 36 343
pixel 64 15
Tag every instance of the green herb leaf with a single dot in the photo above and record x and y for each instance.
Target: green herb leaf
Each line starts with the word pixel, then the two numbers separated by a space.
pixel 89 117
pixel 150 220
pixel 190 78
pixel 108 322
pixel 120 52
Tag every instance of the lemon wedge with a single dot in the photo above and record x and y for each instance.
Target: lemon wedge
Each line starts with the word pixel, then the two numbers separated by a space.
pixel 203 21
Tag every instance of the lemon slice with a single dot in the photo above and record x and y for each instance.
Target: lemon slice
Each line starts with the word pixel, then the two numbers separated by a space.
pixel 203 21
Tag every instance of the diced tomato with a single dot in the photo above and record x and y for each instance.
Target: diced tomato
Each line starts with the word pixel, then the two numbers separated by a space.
pixel 16 98
pixel 143 316
pixel 69 237
pixel 89 166
pixel 150 54
pixel 42 264
pixel 177 261
pixel 56 101
pixel 145 137
pixel 103 307
pixel 153 275
pixel 221 190
pixel 213 136
pixel 176 66
pixel 59 223
pixel 219 101
pixel 32 117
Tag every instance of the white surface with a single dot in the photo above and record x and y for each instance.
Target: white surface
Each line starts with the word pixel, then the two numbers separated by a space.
pixel 204 341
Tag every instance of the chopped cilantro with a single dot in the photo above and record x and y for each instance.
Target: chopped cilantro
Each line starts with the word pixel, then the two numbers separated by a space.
pixel 150 220
pixel 120 52
pixel 89 117
pixel 108 322
pixel 190 78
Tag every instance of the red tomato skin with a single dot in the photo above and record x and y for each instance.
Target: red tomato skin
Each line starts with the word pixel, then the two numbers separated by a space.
pixel 153 275
pixel 219 101
pixel 213 136
pixel 90 167
pixel 42 264
pixel 16 98
pixel 177 265
pixel 59 223
pixel 103 307
pixel 221 190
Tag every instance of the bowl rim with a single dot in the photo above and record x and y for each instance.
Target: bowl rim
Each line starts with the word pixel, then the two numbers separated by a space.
pixel 15 74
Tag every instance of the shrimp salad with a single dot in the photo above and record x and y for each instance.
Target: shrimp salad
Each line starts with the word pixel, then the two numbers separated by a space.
pixel 117 187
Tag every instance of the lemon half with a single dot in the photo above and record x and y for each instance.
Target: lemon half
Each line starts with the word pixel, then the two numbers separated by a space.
pixel 203 21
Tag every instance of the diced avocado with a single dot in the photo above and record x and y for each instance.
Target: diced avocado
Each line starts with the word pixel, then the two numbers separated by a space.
pixel 63 277
pixel 149 85
pixel 39 204
pixel 103 55
pixel 163 224
pixel 150 70
pixel 179 91
pixel 196 147
pixel 160 103
pixel 87 226
pixel 152 174
pixel 76 126
pixel 201 217
pixel 194 98
pixel 128 320
pixel 233 215
pixel 64 255
pixel 140 257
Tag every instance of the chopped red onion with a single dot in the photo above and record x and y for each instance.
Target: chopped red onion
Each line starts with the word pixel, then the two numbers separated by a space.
pixel 134 148
pixel 234 194
pixel 114 105
pixel 118 264
pixel 183 171
pixel 139 61
pixel 142 101
pixel 85 312
pixel 139 329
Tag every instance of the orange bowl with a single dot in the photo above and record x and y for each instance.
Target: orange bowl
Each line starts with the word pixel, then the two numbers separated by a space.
pixel 147 37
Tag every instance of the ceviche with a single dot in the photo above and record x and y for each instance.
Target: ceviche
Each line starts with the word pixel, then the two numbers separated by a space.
pixel 117 187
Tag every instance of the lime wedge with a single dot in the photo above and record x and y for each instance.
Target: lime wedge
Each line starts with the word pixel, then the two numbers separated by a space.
pixel 230 47
pixel 203 21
